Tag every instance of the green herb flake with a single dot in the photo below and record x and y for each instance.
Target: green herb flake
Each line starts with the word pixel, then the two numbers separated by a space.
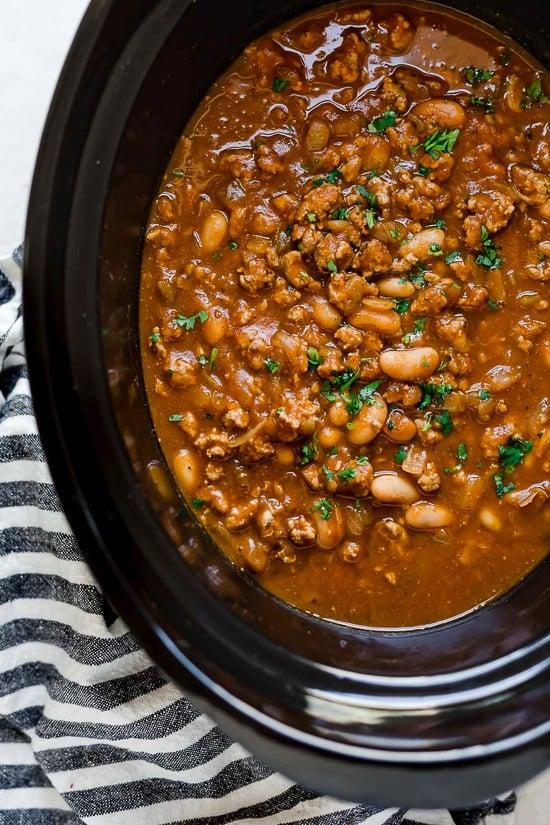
pixel 324 506
pixel 435 249
pixel 489 257
pixel 333 176
pixel 433 394
pixel 402 305
pixel 501 488
pixel 424 171
pixel 445 421
pixel 400 455
pixel 309 451
pixel 440 142
pixel 340 214
pixel 187 322
pixel 362 460
pixel 328 473
pixel 175 418
pixel 474 76
pixel 504 58
pixel 370 218
pixel 382 122
pixel 328 392
pixel 440 223
pixel 364 396
pixel 486 103
pixel 394 233
pixel 452 257
pixel 233 245
pixel 154 338
pixel 314 359
pixel 198 503
pixel 346 474
pixel 417 330
pixel 533 94
pixel 493 305
pixel 512 454
pixel 370 197
pixel 311 216
pixel 178 173
pixel 331 266
pixel 344 380
pixel 271 365
pixel 280 84
pixel 484 395
pixel 462 452
pixel 417 275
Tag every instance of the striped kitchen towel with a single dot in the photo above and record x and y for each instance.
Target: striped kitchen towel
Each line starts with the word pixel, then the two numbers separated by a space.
pixel 90 731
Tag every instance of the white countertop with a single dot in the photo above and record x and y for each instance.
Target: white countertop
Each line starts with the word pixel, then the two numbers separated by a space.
pixel 34 38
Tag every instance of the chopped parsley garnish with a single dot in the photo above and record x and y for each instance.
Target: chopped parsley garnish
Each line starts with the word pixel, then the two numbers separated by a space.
pixel 533 94
pixel 489 257
pixel 331 266
pixel 280 83
pixel 154 337
pixel 178 173
pixel 198 503
pixel 473 76
pixel 512 454
pixel 314 360
pixel 175 418
pixel 438 143
pixel 309 451
pixel 493 305
pixel 433 394
pixel 370 197
pixel 361 460
pixel 462 452
pixel 364 396
pixel 370 218
pixel 187 322
pixel 311 216
pixel 343 380
pixel 400 455
pixel 210 360
pixel 402 305
pixel 440 223
pixel 484 395
pixel 233 245
pixel 483 102
pixel 332 177
pixel 435 249
pixel 328 392
pixel 424 171
pixel 417 275
pixel 340 214
pixel 394 233
pixel 418 329
pixel 346 474
pixel 445 421
pixel 382 122
pixel 328 473
pixel 271 365
pixel 324 505
pixel 501 488
pixel 452 257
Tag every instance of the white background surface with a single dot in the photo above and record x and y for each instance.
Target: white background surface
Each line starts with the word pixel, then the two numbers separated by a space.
pixel 34 38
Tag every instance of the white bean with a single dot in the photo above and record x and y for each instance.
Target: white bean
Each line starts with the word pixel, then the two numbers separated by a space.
pixel 447 114
pixel 409 364
pixel 387 322
pixel 186 469
pixel 390 488
pixel 215 326
pixel 490 520
pixel 395 288
pixel 399 427
pixel 213 231
pixel 326 315
pixel 330 532
pixel 425 515
pixel 368 422
pixel 423 244
pixel 317 136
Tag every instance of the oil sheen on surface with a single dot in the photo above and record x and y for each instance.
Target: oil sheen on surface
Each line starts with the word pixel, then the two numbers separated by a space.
pixel 344 313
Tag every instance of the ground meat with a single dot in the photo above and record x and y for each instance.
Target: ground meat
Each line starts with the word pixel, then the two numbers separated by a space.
pixel 297 415
pixel 473 296
pixel 532 187
pixel 254 349
pixel 189 424
pixel 493 437
pixel 312 477
pixel 349 337
pixel 347 65
pixel 319 202
pixel 240 515
pixel 332 362
pixel 285 295
pixel 236 417
pixel 346 291
pixel 242 165
pixel 459 363
pixel 420 197
pixel 399 392
pixel 372 257
pixel 270 159
pixel 306 237
pixel 454 330
pixel 214 443
pixel 434 299
pixel 394 95
pixel 182 369
pixel 429 481
pixel 255 274
pixel 215 498
pixel 301 531
pixel 257 448
pixel 333 250
pixel 492 210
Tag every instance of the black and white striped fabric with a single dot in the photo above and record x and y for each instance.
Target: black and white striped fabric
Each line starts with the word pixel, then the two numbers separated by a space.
pixel 90 731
